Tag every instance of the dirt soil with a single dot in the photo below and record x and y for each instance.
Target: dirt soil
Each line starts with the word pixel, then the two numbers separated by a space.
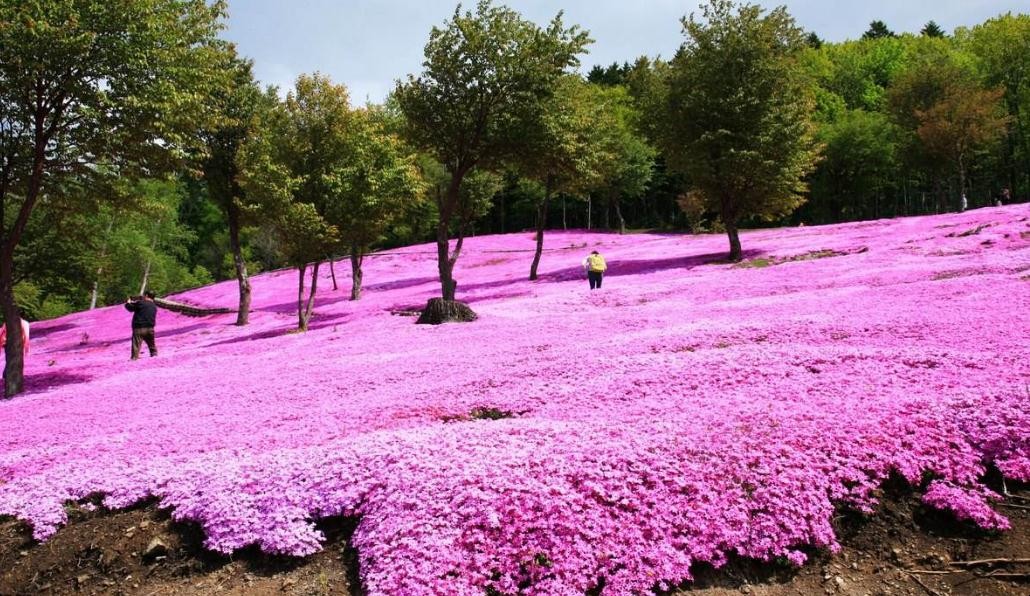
pixel 904 549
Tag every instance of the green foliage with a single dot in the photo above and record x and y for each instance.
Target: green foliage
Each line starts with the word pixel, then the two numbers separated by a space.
pixel 609 76
pixel 93 92
pixel 878 30
pixel 373 186
pixel 740 113
pixel 932 29
pixel 860 161
pixel 480 99
pixel 487 75
pixel 287 171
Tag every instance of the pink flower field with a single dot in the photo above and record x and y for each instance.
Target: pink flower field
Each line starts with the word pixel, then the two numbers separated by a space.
pixel 687 410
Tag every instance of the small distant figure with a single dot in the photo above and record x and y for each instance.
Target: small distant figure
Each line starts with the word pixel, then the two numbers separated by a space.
pixel 595 267
pixel 144 317
pixel 965 203
pixel 1005 197
pixel 24 337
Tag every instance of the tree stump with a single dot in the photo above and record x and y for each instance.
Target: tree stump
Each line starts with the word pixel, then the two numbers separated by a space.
pixel 438 311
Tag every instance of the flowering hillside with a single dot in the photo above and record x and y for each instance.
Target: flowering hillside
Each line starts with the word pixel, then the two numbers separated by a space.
pixel 568 438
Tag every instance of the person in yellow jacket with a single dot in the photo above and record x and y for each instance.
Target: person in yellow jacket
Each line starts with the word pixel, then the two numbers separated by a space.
pixel 595 267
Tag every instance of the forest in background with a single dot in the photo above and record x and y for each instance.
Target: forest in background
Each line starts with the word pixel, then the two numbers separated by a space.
pixel 905 123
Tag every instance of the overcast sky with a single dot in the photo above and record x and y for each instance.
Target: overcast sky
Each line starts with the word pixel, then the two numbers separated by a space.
pixel 368 44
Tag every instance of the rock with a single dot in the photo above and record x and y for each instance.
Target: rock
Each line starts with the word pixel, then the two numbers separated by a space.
pixel 144 524
pixel 839 582
pixel 82 579
pixel 156 548
pixel 438 311
pixel 745 589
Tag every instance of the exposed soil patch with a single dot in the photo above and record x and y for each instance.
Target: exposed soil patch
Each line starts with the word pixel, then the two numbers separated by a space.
pixel 762 262
pixel 904 549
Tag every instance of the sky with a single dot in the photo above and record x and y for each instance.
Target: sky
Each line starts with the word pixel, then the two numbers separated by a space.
pixel 369 44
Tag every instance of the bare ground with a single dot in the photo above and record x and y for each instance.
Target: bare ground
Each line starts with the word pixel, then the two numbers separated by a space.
pixel 904 549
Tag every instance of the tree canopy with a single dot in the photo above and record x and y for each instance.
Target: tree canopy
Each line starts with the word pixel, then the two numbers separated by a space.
pixel 740 113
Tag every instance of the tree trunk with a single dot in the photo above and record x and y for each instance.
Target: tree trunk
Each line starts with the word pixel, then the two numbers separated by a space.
pixel 564 224
pixel 302 324
pixel 618 212
pixel 332 274
pixel 590 204
pixel 96 282
pixel 961 175
pixel 304 311
pixel 150 259
pixel 14 371
pixel 355 273
pixel 735 251
pixel 445 262
pixel 311 294
pixel 15 358
pixel 541 223
pixel 146 277
pixel 243 312
pixel 93 294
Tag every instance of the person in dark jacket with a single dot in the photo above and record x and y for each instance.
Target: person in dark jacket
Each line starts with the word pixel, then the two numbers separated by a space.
pixel 144 317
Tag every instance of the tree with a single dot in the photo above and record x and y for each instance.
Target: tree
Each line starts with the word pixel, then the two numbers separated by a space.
pixel 947 112
pixel 611 75
pixel 860 151
pixel 288 174
pixel 878 30
pixel 371 188
pixel 91 90
pixel 740 113
pixel 564 155
pixel 1001 47
pixel 625 159
pixel 965 119
pixel 485 79
pixel 932 29
pixel 236 109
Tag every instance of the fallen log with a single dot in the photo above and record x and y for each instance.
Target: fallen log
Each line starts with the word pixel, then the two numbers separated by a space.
pixel 189 310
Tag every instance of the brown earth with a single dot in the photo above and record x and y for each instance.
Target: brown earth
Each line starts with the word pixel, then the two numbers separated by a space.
pixel 904 549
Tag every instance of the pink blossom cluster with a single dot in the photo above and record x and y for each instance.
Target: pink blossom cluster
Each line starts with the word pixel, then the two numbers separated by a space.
pixel 688 410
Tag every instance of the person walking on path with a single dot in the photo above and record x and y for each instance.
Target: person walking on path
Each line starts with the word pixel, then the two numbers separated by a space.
pixel 595 267
pixel 144 317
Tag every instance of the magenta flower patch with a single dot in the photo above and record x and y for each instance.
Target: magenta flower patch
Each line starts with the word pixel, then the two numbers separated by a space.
pixel 689 409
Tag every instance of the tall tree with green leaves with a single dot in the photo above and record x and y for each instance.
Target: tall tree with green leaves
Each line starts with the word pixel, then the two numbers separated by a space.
pixel 287 175
pixel 878 30
pixel 371 188
pixel 565 153
pixel 1001 47
pixel 627 159
pixel 860 161
pixel 236 106
pixel 486 77
pixel 941 103
pixel 932 29
pixel 740 113
pixel 91 90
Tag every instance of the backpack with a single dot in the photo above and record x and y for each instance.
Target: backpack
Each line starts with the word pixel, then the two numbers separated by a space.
pixel 596 263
